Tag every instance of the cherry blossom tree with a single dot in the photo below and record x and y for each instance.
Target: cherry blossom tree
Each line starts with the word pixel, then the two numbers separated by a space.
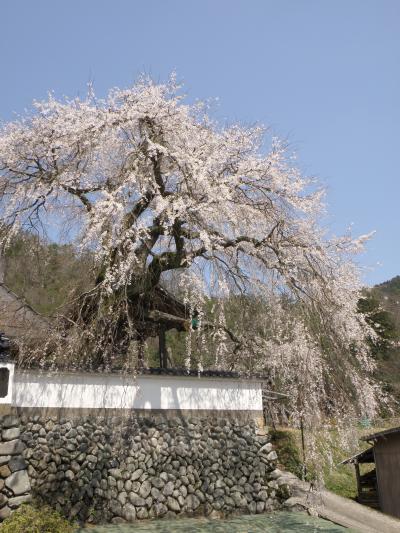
pixel 151 185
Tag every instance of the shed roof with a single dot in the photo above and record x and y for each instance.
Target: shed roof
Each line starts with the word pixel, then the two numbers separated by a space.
pixel 381 434
pixel 366 456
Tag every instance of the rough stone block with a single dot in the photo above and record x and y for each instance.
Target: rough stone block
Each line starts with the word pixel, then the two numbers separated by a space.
pixel 160 509
pixel 17 463
pixel 12 447
pixel 136 500
pixel 19 500
pixel 116 473
pixel 4 459
pixel 118 520
pixel 260 506
pixel 5 512
pixel 136 474
pixel 18 482
pixel 192 502
pixel 10 421
pixel 142 513
pixel 4 471
pixel 145 489
pixel 275 474
pixel 129 512
pixel 10 434
pixel 265 449
pixel 272 456
pixel 173 504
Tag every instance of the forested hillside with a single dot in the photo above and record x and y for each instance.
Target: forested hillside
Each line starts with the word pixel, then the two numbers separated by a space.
pixel 388 296
pixel 45 275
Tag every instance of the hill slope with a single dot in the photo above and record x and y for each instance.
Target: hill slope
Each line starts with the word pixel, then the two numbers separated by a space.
pixel 388 295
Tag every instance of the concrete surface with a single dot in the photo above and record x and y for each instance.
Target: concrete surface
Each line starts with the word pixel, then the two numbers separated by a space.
pixel 337 509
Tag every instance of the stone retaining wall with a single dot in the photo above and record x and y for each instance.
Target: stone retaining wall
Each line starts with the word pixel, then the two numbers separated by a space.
pixel 122 468
pixel 14 481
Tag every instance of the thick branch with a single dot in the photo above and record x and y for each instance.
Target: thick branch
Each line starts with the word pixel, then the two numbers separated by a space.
pixel 80 193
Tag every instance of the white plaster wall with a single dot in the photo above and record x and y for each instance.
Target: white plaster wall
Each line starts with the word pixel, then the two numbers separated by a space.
pixel 110 391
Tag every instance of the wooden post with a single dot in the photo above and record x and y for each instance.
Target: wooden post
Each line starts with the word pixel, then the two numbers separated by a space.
pixel 162 348
pixel 357 468
pixel 141 353
pixel 303 446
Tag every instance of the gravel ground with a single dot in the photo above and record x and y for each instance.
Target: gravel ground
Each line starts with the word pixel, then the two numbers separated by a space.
pixel 284 522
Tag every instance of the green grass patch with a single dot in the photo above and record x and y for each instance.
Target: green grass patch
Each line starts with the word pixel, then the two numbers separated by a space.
pixel 36 519
pixel 339 479
pixel 287 446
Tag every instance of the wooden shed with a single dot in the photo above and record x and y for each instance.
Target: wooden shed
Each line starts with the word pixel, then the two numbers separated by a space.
pixel 380 486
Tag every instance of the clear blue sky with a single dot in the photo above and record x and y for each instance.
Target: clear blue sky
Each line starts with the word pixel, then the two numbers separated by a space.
pixel 323 74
